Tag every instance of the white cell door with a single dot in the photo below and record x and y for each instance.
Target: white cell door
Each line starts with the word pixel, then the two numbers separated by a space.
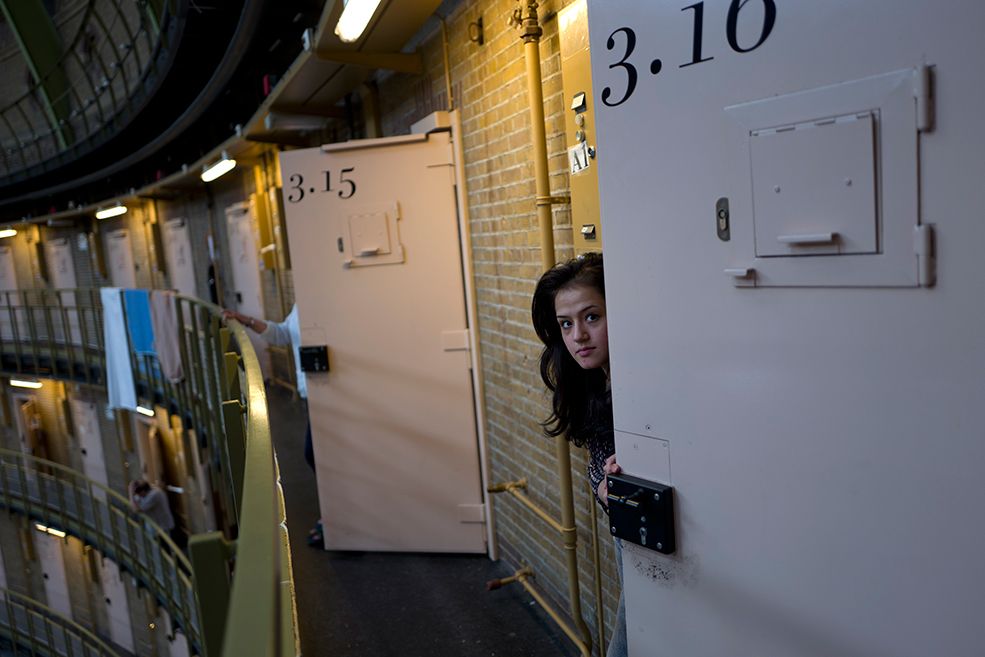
pixel 85 418
pixel 119 256
pixel 49 551
pixel 117 605
pixel 244 256
pixel 177 642
pixel 149 451
pixel 178 251
pixel 378 279
pixel 9 313
pixel 28 421
pixel 61 269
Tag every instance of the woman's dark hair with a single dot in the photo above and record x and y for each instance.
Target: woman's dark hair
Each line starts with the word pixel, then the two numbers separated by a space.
pixel 578 405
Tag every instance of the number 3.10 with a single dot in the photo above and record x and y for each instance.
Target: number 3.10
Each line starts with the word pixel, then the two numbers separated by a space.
pixel 628 35
pixel 298 190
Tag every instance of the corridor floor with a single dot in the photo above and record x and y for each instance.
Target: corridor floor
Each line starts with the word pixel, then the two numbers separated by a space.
pixel 363 604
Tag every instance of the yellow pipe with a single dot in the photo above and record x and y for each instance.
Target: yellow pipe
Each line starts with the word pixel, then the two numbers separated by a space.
pixel 531 33
pixel 444 50
pixel 526 17
pixel 597 566
pixel 522 576
pixel 513 488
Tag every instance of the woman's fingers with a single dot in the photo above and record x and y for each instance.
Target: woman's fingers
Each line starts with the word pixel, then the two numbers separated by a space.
pixel 603 492
pixel 611 467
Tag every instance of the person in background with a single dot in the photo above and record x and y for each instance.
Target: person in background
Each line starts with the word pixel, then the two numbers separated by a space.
pixel 153 502
pixel 282 334
pixel 569 316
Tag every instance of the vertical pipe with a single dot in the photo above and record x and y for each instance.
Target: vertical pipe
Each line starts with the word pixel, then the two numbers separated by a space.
pixel 531 32
pixel 538 137
pixel 597 568
pixel 450 104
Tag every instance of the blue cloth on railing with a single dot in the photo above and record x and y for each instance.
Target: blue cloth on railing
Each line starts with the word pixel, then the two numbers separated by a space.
pixel 138 321
pixel 119 376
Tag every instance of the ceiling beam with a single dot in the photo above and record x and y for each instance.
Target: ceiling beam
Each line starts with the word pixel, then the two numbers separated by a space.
pixel 392 61
pixel 42 49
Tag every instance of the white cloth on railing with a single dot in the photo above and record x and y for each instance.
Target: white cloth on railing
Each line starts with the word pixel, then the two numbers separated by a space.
pixel 164 318
pixel 119 375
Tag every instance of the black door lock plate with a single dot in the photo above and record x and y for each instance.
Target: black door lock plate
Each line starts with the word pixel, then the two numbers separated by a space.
pixel 642 512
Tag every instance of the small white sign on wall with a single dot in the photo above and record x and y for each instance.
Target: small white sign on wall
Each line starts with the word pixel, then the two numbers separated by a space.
pixel 578 158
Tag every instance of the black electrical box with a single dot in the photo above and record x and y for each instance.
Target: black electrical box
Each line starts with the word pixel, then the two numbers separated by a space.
pixel 314 359
pixel 642 512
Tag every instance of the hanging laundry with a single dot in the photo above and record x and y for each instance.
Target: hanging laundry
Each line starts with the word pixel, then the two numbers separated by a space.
pixel 164 319
pixel 139 322
pixel 119 376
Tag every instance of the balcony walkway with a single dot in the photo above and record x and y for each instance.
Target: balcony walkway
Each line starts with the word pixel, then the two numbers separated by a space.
pixel 361 604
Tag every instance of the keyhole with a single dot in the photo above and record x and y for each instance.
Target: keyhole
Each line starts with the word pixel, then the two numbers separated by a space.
pixel 643 535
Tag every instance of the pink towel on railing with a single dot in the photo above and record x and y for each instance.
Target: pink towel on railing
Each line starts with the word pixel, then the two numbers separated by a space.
pixel 166 332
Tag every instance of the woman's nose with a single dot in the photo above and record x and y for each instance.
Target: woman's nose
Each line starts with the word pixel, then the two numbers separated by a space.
pixel 580 333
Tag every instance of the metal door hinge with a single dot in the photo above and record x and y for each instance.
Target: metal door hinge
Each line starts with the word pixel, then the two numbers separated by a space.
pixel 923 247
pixel 472 513
pixel 922 91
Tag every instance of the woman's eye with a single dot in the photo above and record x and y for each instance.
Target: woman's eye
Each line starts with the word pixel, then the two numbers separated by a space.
pixel 565 323
pixel 591 317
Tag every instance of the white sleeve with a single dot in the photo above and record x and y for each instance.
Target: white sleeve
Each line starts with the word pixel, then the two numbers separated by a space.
pixel 277 333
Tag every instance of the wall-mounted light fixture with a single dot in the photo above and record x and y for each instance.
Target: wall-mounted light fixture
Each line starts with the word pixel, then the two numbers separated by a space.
pixel 19 383
pixel 223 166
pixel 51 530
pixel 476 34
pixel 7 232
pixel 354 19
pixel 112 211
pixel 145 411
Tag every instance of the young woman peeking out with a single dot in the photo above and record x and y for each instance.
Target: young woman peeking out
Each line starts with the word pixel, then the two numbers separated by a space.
pixel 569 317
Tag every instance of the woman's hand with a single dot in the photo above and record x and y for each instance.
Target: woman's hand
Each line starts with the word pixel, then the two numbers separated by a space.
pixel 256 325
pixel 610 467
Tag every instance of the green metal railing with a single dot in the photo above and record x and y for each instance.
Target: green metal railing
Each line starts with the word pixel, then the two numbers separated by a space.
pixel 90 65
pixel 63 499
pixel 33 629
pixel 243 602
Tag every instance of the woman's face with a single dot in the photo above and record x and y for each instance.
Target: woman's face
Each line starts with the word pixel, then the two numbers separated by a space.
pixel 580 311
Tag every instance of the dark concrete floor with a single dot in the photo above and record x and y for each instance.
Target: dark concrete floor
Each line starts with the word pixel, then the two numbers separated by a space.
pixel 363 604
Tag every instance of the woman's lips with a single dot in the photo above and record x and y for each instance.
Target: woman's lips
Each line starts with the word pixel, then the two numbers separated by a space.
pixel 585 351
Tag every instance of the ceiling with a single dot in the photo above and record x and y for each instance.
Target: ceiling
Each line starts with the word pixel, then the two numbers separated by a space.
pixel 268 71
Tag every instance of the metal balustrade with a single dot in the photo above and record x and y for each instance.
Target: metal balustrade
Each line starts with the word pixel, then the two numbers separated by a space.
pixel 52 333
pixel 63 499
pixel 234 595
pixel 31 628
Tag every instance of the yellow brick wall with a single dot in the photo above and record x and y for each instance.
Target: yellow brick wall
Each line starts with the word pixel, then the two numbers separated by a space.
pixel 489 86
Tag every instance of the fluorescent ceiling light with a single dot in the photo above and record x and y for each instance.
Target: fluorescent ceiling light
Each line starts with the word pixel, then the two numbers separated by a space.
pixel 213 171
pixel 51 530
pixel 355 17
pixel 145 411
pixel 17 383
pixel 114 211
pixel 8 232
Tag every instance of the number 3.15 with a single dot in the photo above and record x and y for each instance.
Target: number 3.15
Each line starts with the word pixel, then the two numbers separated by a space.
pixel 348 186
